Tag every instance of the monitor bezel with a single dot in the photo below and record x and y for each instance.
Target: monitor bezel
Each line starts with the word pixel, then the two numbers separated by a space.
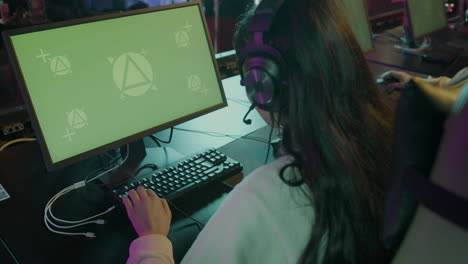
pixel 410 19
pixel 50 165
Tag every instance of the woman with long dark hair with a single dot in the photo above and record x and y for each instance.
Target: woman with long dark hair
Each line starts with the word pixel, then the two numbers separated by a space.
pixel 322 202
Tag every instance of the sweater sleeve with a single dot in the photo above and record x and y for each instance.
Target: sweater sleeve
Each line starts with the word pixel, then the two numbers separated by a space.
pixel 151 249
pixel 232 233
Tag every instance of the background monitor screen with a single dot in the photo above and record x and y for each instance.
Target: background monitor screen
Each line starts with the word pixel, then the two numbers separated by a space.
pixel 98 83
pixel 356 13
pixel 427 16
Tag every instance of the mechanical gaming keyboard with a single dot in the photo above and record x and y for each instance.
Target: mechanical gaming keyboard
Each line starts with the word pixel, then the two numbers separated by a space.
pixel 185 175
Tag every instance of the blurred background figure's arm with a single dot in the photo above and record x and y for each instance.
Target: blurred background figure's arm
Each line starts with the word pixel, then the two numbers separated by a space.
pixel 431 238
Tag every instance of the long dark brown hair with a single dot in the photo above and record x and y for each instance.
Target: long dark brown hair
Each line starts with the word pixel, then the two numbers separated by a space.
pixel 337 125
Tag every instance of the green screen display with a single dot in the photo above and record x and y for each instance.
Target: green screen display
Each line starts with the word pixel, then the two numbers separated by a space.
pixel 95 83
pixel 427 16
pixel 356 14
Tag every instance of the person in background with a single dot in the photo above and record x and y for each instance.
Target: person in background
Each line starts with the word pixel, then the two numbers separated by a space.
pixel 430 237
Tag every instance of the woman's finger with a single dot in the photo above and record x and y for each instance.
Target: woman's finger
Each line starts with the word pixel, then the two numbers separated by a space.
pixel 165 205
pixel 142 192
pixel 134 195
pixel 151 194
pixel 128 205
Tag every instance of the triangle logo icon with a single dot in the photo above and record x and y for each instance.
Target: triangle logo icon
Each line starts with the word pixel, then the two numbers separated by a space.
pixel 77 119
pixel 60 66
pixel 134 76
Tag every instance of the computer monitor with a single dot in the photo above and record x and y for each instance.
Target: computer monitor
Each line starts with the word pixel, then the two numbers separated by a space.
pixel 94 84
pixel 356 13
pixel 426 17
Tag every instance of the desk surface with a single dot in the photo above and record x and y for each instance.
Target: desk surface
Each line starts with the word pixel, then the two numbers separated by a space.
pixel 386 54
pixel 30 187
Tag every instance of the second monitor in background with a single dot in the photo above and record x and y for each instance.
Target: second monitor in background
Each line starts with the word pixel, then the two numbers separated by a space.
pixel 426 17
pixel 356 14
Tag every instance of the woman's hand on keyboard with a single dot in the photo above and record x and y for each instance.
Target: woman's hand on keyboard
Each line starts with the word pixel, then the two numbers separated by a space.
pixel 148 213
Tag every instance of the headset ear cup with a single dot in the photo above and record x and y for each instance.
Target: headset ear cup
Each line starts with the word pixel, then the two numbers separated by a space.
pixel 262 81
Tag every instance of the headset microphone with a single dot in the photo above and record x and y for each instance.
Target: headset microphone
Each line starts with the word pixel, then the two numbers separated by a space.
pixel 248 121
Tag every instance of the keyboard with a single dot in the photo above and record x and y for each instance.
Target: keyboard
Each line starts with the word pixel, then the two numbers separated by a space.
pixel 185 175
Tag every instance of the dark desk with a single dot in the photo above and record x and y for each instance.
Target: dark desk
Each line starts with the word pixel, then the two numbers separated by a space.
pixel 23 174
pixel 386 54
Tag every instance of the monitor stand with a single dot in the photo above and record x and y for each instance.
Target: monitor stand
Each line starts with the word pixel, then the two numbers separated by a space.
pixel 424 49
pixel 408 44
pixel 138 156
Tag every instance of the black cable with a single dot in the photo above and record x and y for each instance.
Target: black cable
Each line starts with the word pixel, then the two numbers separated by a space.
pixel 146 166
pixel 103 168
pixel 217 134
pixel 269 145
pixel 240 101
pixel 155 140
pixel 198 223
pixel 170 137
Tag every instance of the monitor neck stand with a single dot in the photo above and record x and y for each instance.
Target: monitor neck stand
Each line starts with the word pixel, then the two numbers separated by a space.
pixel 138 156
pixel 408 44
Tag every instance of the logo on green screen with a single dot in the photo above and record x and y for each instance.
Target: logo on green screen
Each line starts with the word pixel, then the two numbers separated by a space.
pixel 195 84
pixel 59 65
pixel 182 37
pixel 77 119
pixel 133 74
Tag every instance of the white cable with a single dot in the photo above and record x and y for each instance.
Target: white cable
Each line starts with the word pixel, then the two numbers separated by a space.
pixel 87 234
pixel 98 222
pixel 75 186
